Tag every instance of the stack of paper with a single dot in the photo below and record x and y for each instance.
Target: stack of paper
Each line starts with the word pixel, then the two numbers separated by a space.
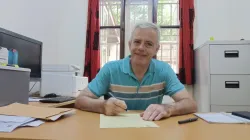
pixel 17 115
pixel 9 123
pixel 221 118
pixel 44 113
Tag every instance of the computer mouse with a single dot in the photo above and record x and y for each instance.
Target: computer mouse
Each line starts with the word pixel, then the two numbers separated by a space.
pixel 50 95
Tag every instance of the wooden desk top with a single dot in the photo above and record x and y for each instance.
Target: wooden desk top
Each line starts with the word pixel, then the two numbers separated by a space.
pixel 85 126
pixel 52 104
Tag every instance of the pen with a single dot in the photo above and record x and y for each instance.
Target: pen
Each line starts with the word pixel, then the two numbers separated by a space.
pixel 188 120
pixel 114 97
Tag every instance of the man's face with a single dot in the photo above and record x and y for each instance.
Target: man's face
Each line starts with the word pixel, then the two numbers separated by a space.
pixel 143 46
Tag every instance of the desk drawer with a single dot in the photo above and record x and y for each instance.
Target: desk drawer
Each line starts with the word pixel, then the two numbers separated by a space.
pixel 230 89
pixel 229 59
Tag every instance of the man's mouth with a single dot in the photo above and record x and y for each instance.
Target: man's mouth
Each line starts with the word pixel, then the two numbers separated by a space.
pixel 143 55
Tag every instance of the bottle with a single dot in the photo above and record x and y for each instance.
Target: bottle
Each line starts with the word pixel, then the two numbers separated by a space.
pixel 13 57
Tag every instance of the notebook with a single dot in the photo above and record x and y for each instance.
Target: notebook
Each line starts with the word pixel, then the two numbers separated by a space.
pixel 221 118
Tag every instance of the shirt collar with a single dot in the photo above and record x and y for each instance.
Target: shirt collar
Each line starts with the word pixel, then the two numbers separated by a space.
pixel 126 66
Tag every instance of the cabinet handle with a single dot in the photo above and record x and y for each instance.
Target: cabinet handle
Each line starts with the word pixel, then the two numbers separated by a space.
pixel 232 84
pixel 231 53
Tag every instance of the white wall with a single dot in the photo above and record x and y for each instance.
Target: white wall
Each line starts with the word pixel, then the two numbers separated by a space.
pixel 59 24
pixel 222 19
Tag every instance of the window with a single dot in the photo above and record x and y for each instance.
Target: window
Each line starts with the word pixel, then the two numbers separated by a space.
pixel 117 18
pixel 111 40
pixel 168 20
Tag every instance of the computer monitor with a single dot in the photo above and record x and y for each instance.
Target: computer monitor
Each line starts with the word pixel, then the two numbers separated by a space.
pixel 29 51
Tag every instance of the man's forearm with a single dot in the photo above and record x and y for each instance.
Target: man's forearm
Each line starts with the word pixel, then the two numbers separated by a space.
pixel 182 107
pixel 89 104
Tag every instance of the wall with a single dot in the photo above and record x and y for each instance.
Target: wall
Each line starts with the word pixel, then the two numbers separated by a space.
pixel 59 24
pixel 222 19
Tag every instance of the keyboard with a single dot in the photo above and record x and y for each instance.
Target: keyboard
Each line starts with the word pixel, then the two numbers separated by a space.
pixel 57 99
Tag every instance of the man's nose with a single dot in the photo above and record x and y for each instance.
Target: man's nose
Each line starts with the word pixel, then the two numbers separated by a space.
pixel 141 47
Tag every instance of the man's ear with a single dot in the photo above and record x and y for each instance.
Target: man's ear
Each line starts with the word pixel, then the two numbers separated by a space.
pixel 157 48
pixel 129 44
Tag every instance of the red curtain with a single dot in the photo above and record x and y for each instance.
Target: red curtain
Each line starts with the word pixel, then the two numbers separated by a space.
pixel 92 53
pixel 186 52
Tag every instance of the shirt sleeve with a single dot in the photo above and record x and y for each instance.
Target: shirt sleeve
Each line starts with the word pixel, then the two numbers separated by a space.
pixel 173 84
pixel 100 84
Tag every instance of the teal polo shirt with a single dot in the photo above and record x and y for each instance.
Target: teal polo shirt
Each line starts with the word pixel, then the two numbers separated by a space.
pixel 118 78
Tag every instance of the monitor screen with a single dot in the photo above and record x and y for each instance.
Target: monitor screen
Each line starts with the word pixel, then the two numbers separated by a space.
pixel 29 50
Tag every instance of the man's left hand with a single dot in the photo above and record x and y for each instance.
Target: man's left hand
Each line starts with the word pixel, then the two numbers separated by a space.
pixel 155 112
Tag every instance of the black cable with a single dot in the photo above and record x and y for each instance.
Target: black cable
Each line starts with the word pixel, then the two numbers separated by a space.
pixel 32 86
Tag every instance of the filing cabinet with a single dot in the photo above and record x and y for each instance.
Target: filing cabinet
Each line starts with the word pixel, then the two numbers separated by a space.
pixel 14 85
pixel 222 76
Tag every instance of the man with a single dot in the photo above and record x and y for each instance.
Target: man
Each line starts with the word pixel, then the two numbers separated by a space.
pixel 137 82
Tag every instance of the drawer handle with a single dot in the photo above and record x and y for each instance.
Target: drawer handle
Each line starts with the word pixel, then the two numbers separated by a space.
pixel 232 84
pixel 231 54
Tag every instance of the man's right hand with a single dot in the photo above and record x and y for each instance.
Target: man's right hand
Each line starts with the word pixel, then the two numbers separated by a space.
pixel 114 106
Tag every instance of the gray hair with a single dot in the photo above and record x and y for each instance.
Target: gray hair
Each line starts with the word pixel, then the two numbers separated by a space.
pixel 143 25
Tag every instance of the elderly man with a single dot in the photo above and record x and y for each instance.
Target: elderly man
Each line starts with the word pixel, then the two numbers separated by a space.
pixel 137 82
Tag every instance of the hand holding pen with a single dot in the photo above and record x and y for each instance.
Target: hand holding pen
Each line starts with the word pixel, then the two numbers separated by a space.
pixel 114 106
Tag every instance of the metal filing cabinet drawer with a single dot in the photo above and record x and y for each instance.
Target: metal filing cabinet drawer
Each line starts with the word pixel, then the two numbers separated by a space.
pixel 229 59
pixel 230 90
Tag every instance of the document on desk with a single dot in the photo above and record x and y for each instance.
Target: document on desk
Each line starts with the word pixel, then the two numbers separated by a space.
pixel 9 123
pixel 125 120
pixel 34 123
pixel 21 115
pixel 221 118
pixel 8 126
pixel 33 99
pixel 44 113
pixel 17 119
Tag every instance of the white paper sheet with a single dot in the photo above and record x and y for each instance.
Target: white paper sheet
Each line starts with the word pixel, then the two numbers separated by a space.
pixel 8 126
pixel 32 99
pixel 34 123
pixel 125 120
pixel 6 118
pixel 54 118
pixel 221 118
pixel 10 123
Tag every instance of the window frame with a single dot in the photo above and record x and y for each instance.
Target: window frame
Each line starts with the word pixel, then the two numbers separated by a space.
pixel 122 29
pixel 122 25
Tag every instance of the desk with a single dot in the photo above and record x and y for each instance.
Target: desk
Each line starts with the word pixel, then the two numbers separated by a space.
pixel 85 126
pixel 63 104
